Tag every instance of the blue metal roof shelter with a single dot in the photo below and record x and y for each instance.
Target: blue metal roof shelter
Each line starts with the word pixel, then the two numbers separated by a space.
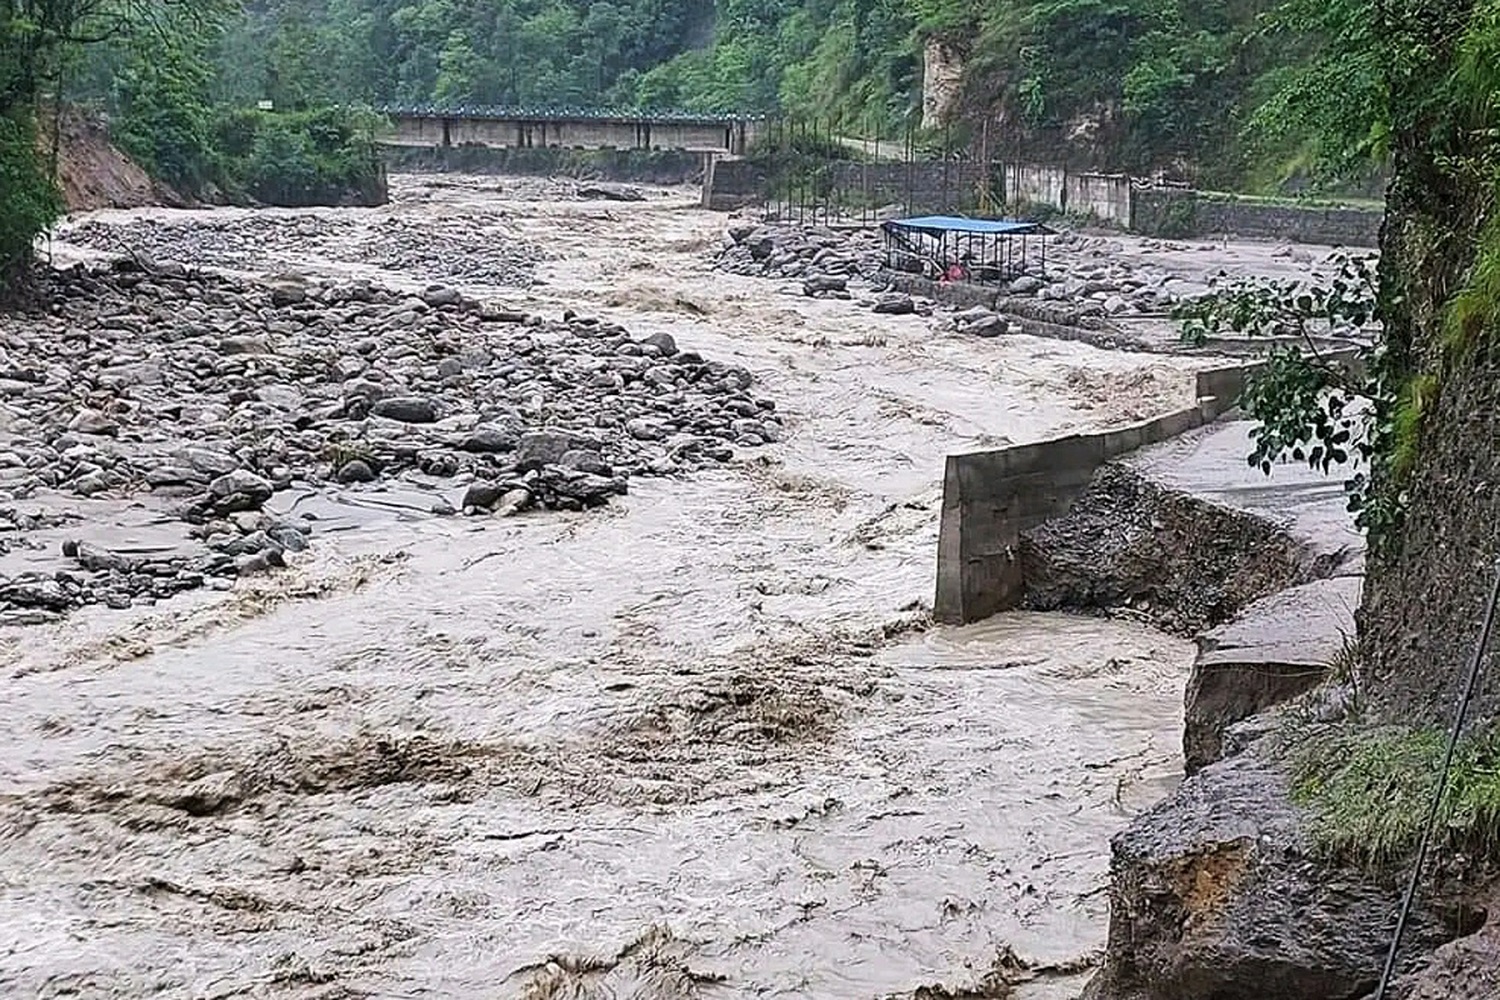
pixel 953 248
pixel 938 224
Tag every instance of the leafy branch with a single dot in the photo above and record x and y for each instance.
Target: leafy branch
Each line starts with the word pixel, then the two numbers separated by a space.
pixel 1309 404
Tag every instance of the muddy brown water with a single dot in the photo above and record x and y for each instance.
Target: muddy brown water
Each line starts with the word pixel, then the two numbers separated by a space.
pixel 698 744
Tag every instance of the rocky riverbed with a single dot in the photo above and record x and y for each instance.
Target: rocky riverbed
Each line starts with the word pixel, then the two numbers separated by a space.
pixel 1121 289
pixel 480 249
pixel 218 393
pixel 704 733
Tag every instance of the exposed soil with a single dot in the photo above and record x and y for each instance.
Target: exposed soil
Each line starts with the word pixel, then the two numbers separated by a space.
pixel 93 173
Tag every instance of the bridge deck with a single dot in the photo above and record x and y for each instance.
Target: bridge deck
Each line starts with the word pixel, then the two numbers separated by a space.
pixel 575 128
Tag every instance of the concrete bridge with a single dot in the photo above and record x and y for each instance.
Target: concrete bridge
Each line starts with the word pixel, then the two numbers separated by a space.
pixel 570 128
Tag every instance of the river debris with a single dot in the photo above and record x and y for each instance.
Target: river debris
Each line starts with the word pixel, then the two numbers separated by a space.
pixel 208 396
pixel 1005 974
pixel 476 246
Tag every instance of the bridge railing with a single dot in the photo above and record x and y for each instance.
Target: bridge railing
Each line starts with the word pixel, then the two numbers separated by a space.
pixel 502 112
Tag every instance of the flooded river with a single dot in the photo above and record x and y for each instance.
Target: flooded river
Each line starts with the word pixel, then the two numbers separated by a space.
pixel 700 743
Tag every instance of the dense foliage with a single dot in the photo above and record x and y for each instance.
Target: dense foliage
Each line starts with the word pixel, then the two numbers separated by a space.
pixel 176 106
pixel 321 157
pixel 37 40
pixel 28 200
pixel 1236 91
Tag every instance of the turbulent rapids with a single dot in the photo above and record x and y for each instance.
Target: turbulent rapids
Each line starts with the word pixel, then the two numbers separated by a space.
pixel 600 661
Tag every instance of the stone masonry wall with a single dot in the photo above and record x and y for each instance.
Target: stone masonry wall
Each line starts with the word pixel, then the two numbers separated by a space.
pixel 1188 214
pixel 951 187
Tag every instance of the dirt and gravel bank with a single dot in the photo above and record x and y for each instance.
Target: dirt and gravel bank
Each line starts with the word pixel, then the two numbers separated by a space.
pixel 702 740
pixel 92 173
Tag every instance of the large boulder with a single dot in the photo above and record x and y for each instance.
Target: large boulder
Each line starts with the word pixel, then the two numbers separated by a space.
pixel 406 409
pixel 1275 649
pixel 539 448
pixel 1217 893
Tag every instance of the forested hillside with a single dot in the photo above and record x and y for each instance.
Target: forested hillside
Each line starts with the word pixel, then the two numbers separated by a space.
pixel 1256 95
pixel 1234 92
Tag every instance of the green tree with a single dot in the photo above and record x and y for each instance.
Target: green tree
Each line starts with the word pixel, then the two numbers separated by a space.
pixel 460 78
pixel 1327 97
pixel 163 97
pixel 29 201
pixel 39 40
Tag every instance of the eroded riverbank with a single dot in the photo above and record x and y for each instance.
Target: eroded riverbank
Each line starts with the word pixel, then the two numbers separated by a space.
pixel 698 742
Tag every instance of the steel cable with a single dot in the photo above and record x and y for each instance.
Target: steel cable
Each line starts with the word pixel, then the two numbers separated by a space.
pixel 1460 713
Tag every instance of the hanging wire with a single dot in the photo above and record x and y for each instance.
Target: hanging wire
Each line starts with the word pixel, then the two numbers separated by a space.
pixel 1461 711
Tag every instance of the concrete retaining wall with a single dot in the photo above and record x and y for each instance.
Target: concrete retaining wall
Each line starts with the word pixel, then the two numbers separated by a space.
pixel 638 165
pixel 1187 214
pixel 1035 185
pixel 1103 196
pixel 729 185
pixel 991 497
pixel 1111 198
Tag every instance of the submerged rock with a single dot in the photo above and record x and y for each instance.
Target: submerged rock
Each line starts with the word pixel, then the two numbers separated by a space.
pixel 895 304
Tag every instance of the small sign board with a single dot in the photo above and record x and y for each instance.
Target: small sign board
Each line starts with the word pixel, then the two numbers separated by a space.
pixel 265 105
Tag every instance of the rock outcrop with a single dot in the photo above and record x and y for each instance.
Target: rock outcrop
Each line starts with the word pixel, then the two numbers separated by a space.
pixel 1467 968
pixel 1277 648
pixel 1218 894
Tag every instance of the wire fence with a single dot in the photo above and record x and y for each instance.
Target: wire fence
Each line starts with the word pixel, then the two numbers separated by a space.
pixel 820 173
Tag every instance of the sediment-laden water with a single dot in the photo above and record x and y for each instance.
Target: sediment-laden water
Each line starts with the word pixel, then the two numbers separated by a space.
pixel 702 742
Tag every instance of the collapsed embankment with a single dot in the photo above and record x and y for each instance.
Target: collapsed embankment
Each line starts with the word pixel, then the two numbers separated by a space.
pixel 1229 887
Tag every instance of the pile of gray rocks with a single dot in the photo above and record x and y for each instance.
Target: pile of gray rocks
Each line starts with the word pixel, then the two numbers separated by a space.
pixel 1085 272
pixel 459 250
pixel 473 247
pixel 210 395
pixel 816 255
